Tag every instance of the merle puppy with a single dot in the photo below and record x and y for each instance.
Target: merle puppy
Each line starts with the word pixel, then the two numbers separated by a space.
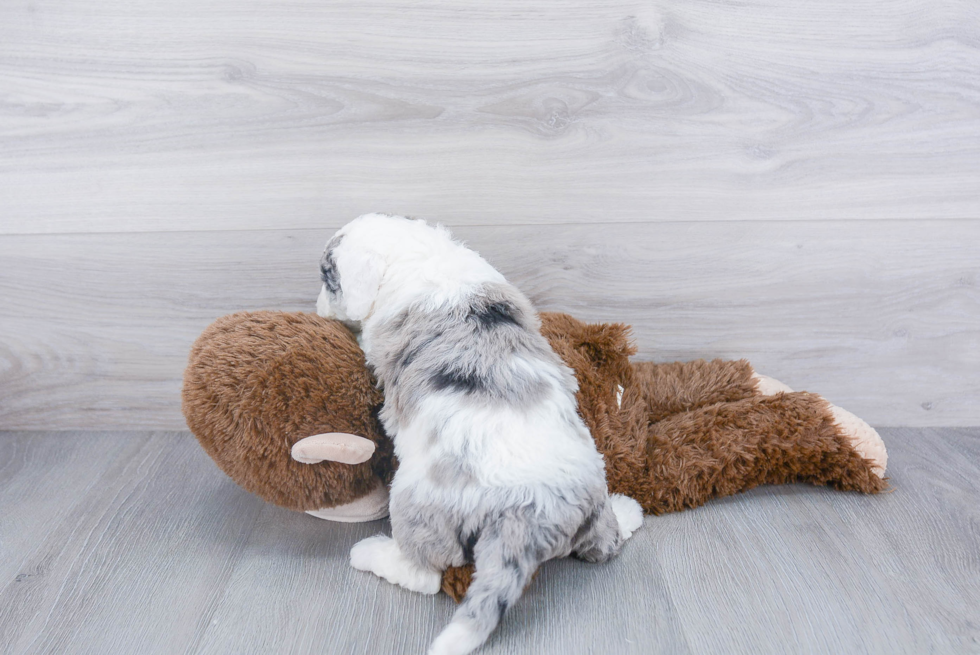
pixel 495 465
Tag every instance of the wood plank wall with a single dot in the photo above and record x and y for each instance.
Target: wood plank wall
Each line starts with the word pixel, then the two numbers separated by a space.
pixel 793 182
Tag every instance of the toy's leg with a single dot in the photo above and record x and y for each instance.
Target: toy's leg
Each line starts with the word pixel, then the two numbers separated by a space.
pixel 683 386
pixel 862 437
pixel 730 447
pixel 381 556
pixel 666 389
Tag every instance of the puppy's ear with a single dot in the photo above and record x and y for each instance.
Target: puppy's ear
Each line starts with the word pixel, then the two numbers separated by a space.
pixel 360 279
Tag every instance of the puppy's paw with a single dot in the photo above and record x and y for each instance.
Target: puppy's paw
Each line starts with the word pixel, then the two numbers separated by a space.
pixel 381 556
pixel 863 438
pixel 457 638
pixel 369 554
pixel 629 514
pixel 767 386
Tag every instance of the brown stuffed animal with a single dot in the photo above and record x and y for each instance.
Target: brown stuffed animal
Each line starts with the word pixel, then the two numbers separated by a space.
pixel 673 435
pixel 258 383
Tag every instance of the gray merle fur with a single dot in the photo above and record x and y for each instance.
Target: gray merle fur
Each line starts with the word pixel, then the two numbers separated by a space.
pixel 507 537
pixel 507 532
pixel 464 349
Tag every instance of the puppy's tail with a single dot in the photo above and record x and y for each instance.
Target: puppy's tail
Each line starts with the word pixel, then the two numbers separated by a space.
pixel 504 566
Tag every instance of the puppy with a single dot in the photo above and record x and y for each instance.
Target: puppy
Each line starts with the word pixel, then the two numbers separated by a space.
pixel 495 465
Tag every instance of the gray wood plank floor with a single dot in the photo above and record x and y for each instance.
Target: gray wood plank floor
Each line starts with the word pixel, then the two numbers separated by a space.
pixel 136 543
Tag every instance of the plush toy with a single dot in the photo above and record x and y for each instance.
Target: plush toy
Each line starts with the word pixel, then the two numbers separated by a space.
pixel 286 406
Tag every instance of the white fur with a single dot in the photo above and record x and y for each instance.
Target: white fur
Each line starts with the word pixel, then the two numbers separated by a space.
pixel 510 447
pixel 456 639
pixel 628 513
pixel 380 555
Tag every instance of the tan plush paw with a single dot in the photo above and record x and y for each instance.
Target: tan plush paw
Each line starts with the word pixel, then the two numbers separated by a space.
pixel 864 439
pixel 371 507
pixel 768 386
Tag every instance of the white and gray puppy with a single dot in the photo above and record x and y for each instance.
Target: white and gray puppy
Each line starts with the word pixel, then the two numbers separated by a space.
pixel 495 465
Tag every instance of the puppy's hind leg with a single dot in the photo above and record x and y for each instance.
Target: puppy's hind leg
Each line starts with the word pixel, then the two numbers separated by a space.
pixel 506 557
pixel 603 533
pixel 381 556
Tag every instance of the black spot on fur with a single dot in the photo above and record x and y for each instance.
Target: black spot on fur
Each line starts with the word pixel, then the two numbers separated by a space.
pixel 501 609
pixel 463 381
pixel 328 273
pixel 494 315
pixel 328 266
pixel 408 354
pixel 469 543
pixel 585 527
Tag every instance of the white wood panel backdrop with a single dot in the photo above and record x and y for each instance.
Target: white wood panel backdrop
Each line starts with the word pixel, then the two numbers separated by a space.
pixel 793 182
pixel 122 115
pixel 880 316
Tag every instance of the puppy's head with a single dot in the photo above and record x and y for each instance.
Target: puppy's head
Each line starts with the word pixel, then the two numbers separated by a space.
pixel 358 257
pixel 351 271
pixel 392 257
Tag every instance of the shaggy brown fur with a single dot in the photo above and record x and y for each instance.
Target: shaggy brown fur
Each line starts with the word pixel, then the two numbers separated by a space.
pixel 258 382
pixel 684 433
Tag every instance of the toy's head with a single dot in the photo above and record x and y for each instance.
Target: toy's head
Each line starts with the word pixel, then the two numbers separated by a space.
pixel 258 382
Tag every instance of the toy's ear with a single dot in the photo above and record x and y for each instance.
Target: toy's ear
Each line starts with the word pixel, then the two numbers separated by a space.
pixel 360 279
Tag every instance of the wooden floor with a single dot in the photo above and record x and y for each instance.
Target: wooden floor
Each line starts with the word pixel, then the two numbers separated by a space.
pixel 136 543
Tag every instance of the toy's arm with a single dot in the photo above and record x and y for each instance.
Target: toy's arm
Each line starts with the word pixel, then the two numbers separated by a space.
pixel 677 387
pixel 333 447
pixel 726 448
